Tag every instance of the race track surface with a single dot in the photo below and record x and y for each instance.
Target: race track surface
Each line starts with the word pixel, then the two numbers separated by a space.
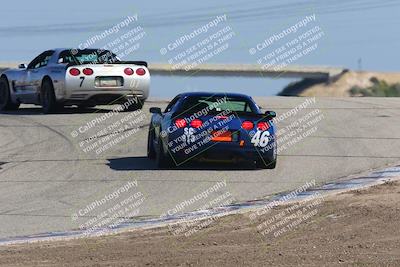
pixel 46 178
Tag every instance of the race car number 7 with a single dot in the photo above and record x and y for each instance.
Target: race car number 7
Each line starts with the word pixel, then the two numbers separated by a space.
pixel 260 138
pixel 82 79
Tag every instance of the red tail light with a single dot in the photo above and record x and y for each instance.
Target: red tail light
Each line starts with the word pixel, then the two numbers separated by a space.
pixel 74 72
pixel 196 123
pixel 87 71
pixel 247 125
pixel 140 71
pixel 128 71
pixel 180 123
pixel 263 125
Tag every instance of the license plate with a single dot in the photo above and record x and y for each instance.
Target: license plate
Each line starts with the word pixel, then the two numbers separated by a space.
pixel 109 81
pixel 220 136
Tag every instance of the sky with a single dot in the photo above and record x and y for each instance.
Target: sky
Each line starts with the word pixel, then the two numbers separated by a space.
pixel 357 34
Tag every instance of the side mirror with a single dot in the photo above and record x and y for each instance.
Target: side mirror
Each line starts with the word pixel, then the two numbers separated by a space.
pixel 22 66
pixel 155 110
pixel 270 114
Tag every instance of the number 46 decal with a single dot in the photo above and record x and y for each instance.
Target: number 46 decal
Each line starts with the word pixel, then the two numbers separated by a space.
pixel 260 138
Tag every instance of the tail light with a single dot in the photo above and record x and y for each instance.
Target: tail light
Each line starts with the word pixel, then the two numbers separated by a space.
pixel 74 72
pixel 263 125
pixel 196 123
pixel 247 125
pixel 140 71
pixel 87 71
pixel 180 123
pixel 128 71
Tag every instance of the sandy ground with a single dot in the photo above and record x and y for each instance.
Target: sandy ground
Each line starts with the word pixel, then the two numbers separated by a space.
pixel 358 228
pixel 341 86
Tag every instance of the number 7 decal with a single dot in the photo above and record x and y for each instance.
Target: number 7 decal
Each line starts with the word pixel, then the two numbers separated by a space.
pixel 82 79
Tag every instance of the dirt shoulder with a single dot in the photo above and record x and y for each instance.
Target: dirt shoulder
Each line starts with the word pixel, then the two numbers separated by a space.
pixel 358 228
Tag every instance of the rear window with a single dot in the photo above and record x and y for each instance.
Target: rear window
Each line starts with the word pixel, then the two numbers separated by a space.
pixel 217 104
pixel 87 56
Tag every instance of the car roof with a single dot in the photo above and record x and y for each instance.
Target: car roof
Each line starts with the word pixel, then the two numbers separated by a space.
pixel 216 94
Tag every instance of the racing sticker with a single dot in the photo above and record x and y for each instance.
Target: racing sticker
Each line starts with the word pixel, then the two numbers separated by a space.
pixel 188 135
pixel 260 138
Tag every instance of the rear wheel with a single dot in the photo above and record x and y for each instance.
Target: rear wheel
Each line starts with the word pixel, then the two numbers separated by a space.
pixel 163 159
pixel 47 97
pixel 265 164
pixel 134 106
pixel 5 97
pixel 268 162
pixel 151 152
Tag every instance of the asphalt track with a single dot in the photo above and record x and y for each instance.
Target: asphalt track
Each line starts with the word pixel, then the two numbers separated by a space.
pixel 46 178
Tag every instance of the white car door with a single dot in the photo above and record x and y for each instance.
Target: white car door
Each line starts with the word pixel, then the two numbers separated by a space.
pixel 34 73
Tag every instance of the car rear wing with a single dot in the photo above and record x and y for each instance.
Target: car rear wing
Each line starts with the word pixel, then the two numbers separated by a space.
pixel 267 116
pixel 138 63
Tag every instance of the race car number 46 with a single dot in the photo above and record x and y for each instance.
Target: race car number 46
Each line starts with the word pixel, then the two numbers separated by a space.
pixel 260 138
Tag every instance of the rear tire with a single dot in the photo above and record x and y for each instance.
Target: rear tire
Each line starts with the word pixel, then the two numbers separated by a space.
pixel 270 162
pixel 135 106
pixel 163 159
pixel 5 97
pixel 48 98
pixel 151 152
pixel 266 164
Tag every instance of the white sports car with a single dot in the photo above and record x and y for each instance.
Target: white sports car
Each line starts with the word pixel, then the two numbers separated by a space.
pixel 64 77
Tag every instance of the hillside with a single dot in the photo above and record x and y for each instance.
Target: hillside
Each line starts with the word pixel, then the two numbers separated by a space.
pixel 340 85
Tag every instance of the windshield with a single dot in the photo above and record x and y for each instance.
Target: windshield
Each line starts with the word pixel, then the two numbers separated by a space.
pixel 87 56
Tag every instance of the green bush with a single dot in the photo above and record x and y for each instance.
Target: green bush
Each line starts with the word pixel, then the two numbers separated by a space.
pixel 378 89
